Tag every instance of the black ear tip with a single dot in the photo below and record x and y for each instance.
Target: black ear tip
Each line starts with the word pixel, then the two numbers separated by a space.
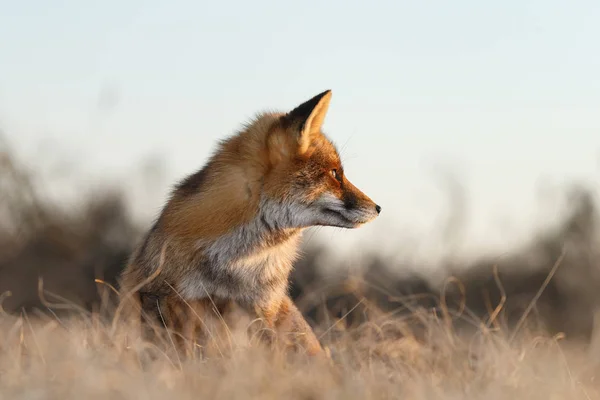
pixel 321 95
pixel 303 111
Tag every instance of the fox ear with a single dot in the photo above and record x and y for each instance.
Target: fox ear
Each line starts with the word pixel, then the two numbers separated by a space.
pixel 307 119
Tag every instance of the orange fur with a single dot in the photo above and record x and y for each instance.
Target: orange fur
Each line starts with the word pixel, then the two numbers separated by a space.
pixel 228 235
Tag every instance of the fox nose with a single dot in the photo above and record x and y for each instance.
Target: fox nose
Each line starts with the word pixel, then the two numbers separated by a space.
pixel 378 208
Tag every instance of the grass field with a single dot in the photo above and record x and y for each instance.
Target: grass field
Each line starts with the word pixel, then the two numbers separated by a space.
pixel 512 328
pixel 79 357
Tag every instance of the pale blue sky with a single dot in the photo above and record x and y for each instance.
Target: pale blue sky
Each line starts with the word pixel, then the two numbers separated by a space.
pixel 505 93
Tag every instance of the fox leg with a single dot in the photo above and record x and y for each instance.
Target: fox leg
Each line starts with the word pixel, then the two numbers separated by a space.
pixel 284 318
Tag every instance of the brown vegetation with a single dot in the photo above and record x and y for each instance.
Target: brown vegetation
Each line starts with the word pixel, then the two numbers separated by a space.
pixel 517 326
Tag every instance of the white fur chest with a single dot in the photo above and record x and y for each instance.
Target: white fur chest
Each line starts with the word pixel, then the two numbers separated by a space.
pixel 265 265
pixel 247 264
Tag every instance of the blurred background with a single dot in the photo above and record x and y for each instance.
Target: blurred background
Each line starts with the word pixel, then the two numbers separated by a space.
pixel 475 126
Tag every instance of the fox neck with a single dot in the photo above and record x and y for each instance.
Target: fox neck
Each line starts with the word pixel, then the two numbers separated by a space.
pixel 273 226
pixel 249 263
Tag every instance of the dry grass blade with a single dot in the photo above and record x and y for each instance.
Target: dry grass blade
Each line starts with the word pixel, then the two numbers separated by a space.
pixel 538 294
pixel 498 309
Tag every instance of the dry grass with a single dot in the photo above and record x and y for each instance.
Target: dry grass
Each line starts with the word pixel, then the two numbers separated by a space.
pixel 495 333
pixel 82 357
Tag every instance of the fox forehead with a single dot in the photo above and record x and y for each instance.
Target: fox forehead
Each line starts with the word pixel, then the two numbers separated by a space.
pixel 324 153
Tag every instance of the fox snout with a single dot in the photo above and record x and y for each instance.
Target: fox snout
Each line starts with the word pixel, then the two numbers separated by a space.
pixel 350 210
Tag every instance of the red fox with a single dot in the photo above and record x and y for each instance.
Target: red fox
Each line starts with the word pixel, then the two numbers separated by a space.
pixel 229 233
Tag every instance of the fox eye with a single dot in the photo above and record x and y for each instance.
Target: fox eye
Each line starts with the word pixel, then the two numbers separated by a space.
pixel 336 175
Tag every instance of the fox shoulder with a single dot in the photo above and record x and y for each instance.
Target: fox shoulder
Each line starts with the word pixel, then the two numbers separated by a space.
pixel 225 193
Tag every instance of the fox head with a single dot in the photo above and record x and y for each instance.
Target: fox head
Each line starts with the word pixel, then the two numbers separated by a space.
pixel 306 179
